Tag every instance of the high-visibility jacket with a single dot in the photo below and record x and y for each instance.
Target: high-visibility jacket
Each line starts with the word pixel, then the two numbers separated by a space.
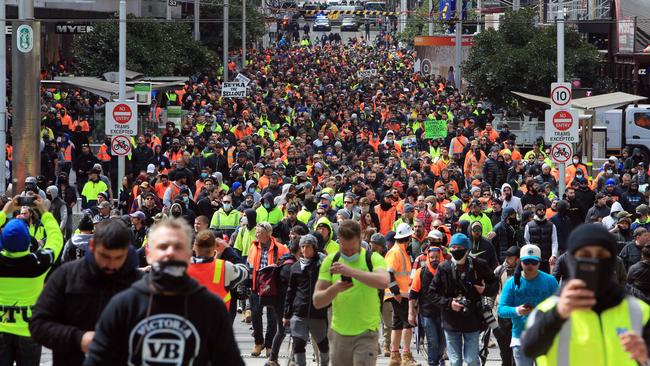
pixel 398 265
pixel 67 153
pixel 589 336
pixel 103 153
pixel 10 153
pixel 272 217
pixel 273 254
pixel 458 144
pixel 225 221
pixel 386 219
pixel 212 275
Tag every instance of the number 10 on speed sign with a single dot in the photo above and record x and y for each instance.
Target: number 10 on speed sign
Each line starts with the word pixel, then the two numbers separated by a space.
pixel 561 96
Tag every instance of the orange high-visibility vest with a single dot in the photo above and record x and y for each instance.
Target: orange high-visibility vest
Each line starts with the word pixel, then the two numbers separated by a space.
pixel 10 152
pixel 174 156
pixel 67 153
pixel 213 277
pixel 386 219
pixel 103 153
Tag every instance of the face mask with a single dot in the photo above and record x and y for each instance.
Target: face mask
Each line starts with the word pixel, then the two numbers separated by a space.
pixel 169 275
pixel 576 161
pixel 304 262
pixel 227 206
pixel 176 213
pixel 186 200
pixel 578 176
pixel 458 254
pixel 204 175
pixel 251 190
pixel 267 205
pixel 610 171
pixel 350 259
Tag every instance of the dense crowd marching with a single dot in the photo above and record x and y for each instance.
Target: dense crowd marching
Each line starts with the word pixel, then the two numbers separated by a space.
pixel 319 198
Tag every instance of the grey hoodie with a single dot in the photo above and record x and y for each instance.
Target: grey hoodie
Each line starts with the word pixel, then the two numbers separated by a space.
pixel 76 247
pixel 256 195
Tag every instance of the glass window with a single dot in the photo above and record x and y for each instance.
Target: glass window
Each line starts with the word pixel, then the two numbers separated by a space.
pixel 642 119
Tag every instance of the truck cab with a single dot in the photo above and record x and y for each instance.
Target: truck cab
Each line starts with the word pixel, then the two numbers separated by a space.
pixel 627 128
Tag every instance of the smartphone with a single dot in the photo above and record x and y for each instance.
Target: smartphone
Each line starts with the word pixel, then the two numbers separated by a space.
pixel 346 279
pixel 587 271
pixel 26 201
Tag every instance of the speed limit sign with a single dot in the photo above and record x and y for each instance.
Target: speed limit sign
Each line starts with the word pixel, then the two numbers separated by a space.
pixel 561 95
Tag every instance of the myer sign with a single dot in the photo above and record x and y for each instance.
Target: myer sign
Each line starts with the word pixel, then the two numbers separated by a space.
pixel 63 28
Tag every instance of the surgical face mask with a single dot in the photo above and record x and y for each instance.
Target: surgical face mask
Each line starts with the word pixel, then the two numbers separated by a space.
pixel 204 175
pixel 227 206
pixel 267 205
pixel 576 161
pixel 458 254
pixel 186 200
pixel 350 259
pixel 251 190
pixel 609 171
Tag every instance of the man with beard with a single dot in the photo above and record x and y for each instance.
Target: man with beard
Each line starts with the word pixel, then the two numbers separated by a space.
pixel 575 213
pixel 162 305
pixel 532 197
pixel 600 209
pixel 585 196
pixel 283 228
pixel 543 233
pixel 174 188
pixel 481 247
pixel 66 312
pixel 92 189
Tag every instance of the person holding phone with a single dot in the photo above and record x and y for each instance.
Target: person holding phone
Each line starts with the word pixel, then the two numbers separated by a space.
pixel 592 320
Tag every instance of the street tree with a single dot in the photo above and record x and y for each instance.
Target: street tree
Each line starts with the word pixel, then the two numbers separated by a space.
pixel 522 56
pixel 153 48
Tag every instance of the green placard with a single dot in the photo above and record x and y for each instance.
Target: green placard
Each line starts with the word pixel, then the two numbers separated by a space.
pixel 434 129
pixel 174 114
pixel 142 93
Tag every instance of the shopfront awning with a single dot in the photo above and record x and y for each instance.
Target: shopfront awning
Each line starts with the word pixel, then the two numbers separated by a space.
pixel 110 90
pixel 607 101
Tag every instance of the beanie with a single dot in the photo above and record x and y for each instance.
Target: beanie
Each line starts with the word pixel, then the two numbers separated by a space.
pixel 15 236
pixel 591 234
pixel 460 239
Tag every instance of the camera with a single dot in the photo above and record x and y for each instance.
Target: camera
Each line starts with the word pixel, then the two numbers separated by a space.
pixel 465 302
pixel 488 317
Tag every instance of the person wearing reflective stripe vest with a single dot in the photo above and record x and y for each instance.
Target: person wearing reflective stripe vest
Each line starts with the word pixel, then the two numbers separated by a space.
pixel 226 219
pixel 217 275
pixel 592 320
pixel 398 265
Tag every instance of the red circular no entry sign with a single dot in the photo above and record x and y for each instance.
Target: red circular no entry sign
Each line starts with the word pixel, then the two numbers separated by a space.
pixel 562 120
pixel 122 113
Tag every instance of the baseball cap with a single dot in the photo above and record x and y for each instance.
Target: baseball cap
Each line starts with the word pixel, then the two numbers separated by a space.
pixel 378 239
pixel 15 236
pixel 513 251
pixel 138 214
pixel 530 251
pixel 409 208
pixel 105 204
pixel 642 209
pixel 151 168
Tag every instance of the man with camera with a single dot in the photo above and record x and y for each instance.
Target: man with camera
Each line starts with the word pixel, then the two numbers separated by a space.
pixel 22 274
pixel 522 292
pixel 458 289
pixel 592 320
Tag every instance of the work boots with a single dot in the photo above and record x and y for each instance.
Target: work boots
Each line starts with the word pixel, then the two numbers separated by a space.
pixel 395 359
pixel 257 350
pixel 408 360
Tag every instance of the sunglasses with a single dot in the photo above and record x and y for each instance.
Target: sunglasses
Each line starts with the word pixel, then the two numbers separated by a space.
pixel 529 262
pixel 320 213
pixel 227 202
pixel 477 230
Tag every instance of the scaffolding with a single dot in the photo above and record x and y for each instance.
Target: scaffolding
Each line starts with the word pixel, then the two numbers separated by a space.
pixel 580 9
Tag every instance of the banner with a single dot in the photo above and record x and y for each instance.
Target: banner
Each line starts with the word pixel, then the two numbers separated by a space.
pixel 174 114
pixel 434 129
pixel 362 74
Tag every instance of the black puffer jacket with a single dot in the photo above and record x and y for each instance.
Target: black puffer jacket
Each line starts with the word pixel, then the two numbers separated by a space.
pixel 298 300
pixel 71 303
pixel 506 235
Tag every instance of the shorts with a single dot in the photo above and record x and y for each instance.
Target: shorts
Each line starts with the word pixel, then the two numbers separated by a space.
pixel 400 314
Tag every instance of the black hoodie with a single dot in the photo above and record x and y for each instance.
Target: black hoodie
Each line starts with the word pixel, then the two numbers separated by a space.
pixel 172 329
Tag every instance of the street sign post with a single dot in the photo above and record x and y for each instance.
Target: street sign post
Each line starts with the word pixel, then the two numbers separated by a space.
pixel 561 152
pixel 121 145
pixel 121 118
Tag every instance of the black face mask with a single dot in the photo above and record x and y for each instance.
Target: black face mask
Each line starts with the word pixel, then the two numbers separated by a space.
pixel 458 254
pixel 169 276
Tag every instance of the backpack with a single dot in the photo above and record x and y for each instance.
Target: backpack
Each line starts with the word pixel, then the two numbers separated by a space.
pixel 337 256
pixel 268 278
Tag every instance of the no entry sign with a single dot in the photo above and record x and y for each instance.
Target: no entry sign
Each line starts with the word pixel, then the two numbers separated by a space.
pixel 121 145
pixel 561 152
pixel 562 126
pixel 121 118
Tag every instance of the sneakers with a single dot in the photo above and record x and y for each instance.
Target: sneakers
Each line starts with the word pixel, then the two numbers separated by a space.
pixel 395 359
pixel 268 352
pixel 271 363
pixel 239 310
pixel 247 316
pixel 257 350
pixel 408 360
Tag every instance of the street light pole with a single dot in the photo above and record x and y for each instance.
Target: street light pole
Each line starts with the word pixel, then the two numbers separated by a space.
pixel 122 81
pixel 197 30
pixel 226 5
pixel 169 11
pixel 3 97
pixel 243 34
pixel 560 79
pixel 430 17
pixel 459 42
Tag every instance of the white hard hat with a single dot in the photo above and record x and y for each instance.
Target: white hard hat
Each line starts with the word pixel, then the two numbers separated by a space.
pixel 435 234
pixel 403 231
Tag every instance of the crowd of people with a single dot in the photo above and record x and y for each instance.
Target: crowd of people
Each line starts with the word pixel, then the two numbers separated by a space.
pixel 319 202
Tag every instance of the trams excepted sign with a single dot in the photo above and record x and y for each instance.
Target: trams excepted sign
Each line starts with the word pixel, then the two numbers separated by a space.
pixel 121 145
pixel 561 152
pixel 121 118
pixel 562 126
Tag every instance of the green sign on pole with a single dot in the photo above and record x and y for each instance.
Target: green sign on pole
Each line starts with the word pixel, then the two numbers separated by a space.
pixel 174 114
pixel 142 93
pixel 434 129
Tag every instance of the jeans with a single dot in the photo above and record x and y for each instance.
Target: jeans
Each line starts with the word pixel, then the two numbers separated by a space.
pixel 520 358
pixel 503 334
pixel 258 328
pixel 279 334
pixel 433 331
pixel 23 350
pixel 462 347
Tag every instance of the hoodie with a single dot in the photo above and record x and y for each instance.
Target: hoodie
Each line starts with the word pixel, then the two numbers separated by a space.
pixel 246 234
pixel 76 247
pixel 169 329
pixel 331 246
pixel 282 199
pixel 514 203
pixel 482 248
pixel 269 212
pixel 610 221
pixel 506 235
pixel 256 195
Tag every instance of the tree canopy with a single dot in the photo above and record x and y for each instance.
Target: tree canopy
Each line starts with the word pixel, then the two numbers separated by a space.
pixel 522 56
pixel 153 48
pixel 212 33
